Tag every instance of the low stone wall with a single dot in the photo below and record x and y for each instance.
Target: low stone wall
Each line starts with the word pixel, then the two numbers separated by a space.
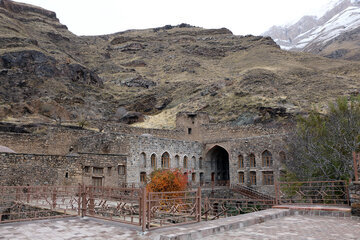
pixel 354 191
pixel 36 169
pixel 39 169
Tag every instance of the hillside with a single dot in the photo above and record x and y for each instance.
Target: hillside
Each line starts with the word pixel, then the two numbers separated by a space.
pixel 48 73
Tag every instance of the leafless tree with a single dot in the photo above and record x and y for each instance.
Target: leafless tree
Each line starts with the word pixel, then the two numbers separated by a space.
pixel 322 146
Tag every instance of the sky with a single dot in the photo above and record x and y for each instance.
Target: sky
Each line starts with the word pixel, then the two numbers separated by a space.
pixel 88 17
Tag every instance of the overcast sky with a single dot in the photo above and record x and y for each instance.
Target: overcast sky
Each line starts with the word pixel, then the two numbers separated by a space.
pixel 88 17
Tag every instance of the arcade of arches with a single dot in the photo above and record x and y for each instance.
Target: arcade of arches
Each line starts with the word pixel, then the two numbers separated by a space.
pixel 216 166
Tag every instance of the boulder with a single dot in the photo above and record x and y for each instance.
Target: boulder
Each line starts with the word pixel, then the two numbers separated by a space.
pixel 138 81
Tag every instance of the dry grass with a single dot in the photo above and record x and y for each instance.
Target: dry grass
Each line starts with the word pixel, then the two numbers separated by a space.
pixel 253 72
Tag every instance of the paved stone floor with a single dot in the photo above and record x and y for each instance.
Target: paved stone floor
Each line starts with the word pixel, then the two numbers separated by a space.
pixel 297 227
pixel 69 228
pixel 291 227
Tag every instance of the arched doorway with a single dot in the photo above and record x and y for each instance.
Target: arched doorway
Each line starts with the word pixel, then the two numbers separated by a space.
pixel 218 157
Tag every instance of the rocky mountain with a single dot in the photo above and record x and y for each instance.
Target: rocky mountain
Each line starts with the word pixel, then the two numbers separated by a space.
pixel 48 73
pixel 334 34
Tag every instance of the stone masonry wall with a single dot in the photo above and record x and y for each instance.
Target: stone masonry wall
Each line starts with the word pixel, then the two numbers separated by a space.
pixel 246 146
pixel 36 169
pixel 47 140
pixel 150 145
pixel 110 174
pixel 103 143
pixel 354 191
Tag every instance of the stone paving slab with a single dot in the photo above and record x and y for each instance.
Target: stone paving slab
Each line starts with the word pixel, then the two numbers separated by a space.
pixel 297 227
pixel 207 228
pixel 268 224
pixel 69 228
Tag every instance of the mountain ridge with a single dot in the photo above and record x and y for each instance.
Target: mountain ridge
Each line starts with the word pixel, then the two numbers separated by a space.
pixel 323 35
pixel 50 73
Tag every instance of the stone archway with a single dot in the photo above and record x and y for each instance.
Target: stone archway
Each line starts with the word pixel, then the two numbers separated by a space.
pixel 218 157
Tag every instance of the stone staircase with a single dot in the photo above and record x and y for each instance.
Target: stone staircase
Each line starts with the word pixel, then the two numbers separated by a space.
pixel 250 193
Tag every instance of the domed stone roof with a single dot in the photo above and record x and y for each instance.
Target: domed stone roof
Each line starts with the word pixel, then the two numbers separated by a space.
pixel 6 149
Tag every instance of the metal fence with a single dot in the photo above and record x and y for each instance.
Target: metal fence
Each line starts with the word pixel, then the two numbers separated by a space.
pixel 151 210
pixel 19 203
pixel 172 208
pixel 312 192
pixel 115 204
pixel 215 208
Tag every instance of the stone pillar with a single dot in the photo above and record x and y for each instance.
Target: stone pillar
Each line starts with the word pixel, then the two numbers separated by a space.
pixel 354 192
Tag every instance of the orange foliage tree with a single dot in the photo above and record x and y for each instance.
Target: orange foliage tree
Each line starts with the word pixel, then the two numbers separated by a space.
pixel 166 180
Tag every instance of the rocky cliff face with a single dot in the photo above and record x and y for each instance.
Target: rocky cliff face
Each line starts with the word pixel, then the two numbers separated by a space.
pixel 49 73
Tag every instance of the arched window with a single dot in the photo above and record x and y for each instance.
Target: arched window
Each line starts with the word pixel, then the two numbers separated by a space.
pixel 193 162
pixel 252 178
pixel 143 160
pixel 143 177
pixel 241 177
pixel 252 160
pixel 267 159
pixel 153 161
pixel 177 161
pixel 200 163
pixel 282 157
pixel 185 164
pixel 165 160
pixel 240 161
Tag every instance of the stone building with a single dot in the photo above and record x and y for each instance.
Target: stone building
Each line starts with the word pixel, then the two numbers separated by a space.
pixel 208 153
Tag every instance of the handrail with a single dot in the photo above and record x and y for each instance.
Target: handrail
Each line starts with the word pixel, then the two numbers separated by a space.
pixel 250 192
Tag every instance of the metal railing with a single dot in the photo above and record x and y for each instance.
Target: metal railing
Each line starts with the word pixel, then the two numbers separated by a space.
pixel 312 192
pixel 154 209
pixel 172 208
pixel 115 204
pixel 250 193
pixel 19 203
pixel 215 208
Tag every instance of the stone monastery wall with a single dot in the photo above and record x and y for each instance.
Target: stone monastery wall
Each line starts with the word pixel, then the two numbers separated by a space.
pixel 116 154
pixel 36 169
pixel 148 153
pixel 46 140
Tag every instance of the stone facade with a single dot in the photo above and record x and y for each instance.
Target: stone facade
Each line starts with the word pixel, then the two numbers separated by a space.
pixel 248 155
pixel 354 192
pixel 37 169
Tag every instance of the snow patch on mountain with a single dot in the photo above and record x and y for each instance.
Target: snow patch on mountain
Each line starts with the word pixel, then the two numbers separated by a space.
pixel 346 20
pixel 328 22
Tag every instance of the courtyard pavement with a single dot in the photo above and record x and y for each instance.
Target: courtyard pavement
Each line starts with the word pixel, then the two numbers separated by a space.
pixel 297 227
pixel 289 227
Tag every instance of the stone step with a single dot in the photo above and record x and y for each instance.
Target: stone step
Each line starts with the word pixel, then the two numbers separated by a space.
pixel 207 228
pixel 317 210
